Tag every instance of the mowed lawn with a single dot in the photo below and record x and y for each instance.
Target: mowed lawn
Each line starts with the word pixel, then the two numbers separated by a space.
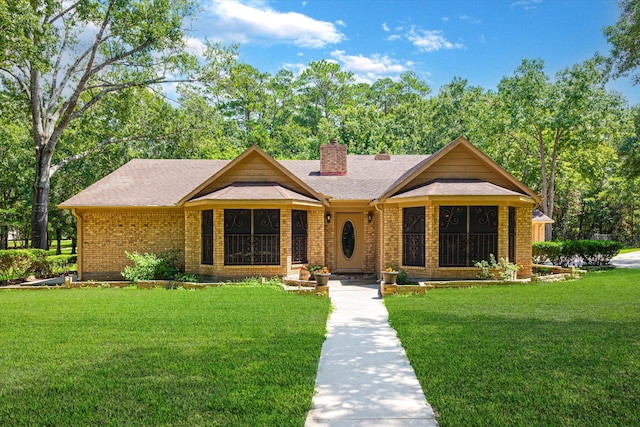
pixel 557 354
pixel 228 356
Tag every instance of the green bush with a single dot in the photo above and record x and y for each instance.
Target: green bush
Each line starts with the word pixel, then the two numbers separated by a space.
pixel 567 252
pixel 599 252
pixel 62 264
pixel 505 269
pixel 19 263
pixel 546 252
pixel 150 266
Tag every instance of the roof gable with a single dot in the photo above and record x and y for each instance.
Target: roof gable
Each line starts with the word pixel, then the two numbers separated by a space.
pixel 458 160
pixel 253 165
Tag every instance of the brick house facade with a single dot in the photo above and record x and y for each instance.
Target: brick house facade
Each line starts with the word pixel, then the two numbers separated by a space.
pixel 433 215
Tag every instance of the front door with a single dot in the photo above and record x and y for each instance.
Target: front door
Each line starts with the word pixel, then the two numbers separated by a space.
pixel 349 241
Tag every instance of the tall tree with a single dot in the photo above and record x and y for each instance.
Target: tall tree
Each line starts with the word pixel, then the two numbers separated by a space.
pixel 325 87
pixel 15 164
pixel 624 36
pixel 87 51
pixel 555 122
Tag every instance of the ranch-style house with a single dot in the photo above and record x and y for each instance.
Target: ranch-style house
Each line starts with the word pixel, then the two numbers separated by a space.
pixel 432 215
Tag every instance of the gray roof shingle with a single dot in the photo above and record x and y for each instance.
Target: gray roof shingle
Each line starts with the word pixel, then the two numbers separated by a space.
pixel 146 182
pixel 255 191
pixel 458 187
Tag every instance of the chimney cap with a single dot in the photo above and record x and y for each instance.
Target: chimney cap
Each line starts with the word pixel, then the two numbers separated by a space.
pixel 333 141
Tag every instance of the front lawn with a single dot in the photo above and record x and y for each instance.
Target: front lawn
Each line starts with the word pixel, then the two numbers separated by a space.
pixel 228 356
pixel 557 354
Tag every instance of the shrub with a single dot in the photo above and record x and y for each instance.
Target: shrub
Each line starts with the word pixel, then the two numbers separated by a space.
pixel 599 252
pixel 19 263
pixel 149 266
pixel 505 269
pixel 62 264
pixel 568 252
pixel 546 252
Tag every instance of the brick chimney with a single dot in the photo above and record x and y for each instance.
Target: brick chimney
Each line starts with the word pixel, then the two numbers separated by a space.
pixel 333 159
pixel 383 156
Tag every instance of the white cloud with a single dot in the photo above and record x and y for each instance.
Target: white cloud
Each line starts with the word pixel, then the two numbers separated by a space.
pixel 341 23
pixel 470 20
pixel 430 41
pixel 243 23
pixel 393 37
pixel 385 27
pixel 369 69
pixel 194 46
pixel 297 68
pixel 526 4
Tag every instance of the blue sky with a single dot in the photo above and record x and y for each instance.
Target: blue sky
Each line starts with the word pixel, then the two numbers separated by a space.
pixel 481 41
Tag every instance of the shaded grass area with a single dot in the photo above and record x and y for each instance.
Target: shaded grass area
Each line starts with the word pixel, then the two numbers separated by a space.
pixel 558 354
pixel 228 356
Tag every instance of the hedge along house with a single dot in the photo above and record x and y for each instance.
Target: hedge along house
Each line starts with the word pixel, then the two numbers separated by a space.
pixel 433 215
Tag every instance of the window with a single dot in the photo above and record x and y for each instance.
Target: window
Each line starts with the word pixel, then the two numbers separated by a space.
pixel 413 226
pixel 251 236
pixel 512 234
pixel 299 236
pixel 467 234
pixel 207 237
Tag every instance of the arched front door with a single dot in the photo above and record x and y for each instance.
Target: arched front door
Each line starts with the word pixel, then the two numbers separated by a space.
pixel 349 241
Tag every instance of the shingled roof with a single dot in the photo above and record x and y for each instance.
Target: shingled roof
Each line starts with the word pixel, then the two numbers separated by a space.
pixel 255 191
pixel 170 183
pixel 146 182
pixel 461 187
pixel 366 177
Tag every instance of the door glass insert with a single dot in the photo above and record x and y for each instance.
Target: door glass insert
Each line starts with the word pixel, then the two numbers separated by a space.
pixel 348 239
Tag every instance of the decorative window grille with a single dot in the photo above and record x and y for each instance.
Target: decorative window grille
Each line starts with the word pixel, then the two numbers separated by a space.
pixel 299 236
pixel 467 234
pixel 207 237
pixel 251 236
pixel 512 234
pixel 413 228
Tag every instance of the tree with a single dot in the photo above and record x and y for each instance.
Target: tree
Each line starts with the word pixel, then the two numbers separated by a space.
pixel 87 51
pixel 15 164
pixel 326 90
pixel 560 122
pixel 624 36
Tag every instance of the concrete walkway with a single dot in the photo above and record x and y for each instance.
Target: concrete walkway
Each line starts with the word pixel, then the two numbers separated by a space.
pixel 628 260
pixel 364 377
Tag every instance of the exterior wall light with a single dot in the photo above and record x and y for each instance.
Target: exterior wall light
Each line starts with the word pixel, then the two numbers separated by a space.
pixel 328 217
pixel 370 216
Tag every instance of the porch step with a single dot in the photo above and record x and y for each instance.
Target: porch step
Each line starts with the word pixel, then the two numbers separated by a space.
pixel 340 275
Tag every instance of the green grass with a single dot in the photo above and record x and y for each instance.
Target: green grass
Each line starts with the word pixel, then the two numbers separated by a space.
pixel 559 354
pixel 228 356
pixel 627 250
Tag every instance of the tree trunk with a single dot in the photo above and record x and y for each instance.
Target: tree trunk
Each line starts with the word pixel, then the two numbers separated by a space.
pixel 59 240
pixel 40 207
pixel 4 237
pixel 74 243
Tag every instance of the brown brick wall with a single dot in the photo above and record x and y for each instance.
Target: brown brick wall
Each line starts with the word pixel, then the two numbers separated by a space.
pixel 370 233
pixel 330 242
pixel 523 241
pixel 107 235
pixel 392 244
pixel 316 236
